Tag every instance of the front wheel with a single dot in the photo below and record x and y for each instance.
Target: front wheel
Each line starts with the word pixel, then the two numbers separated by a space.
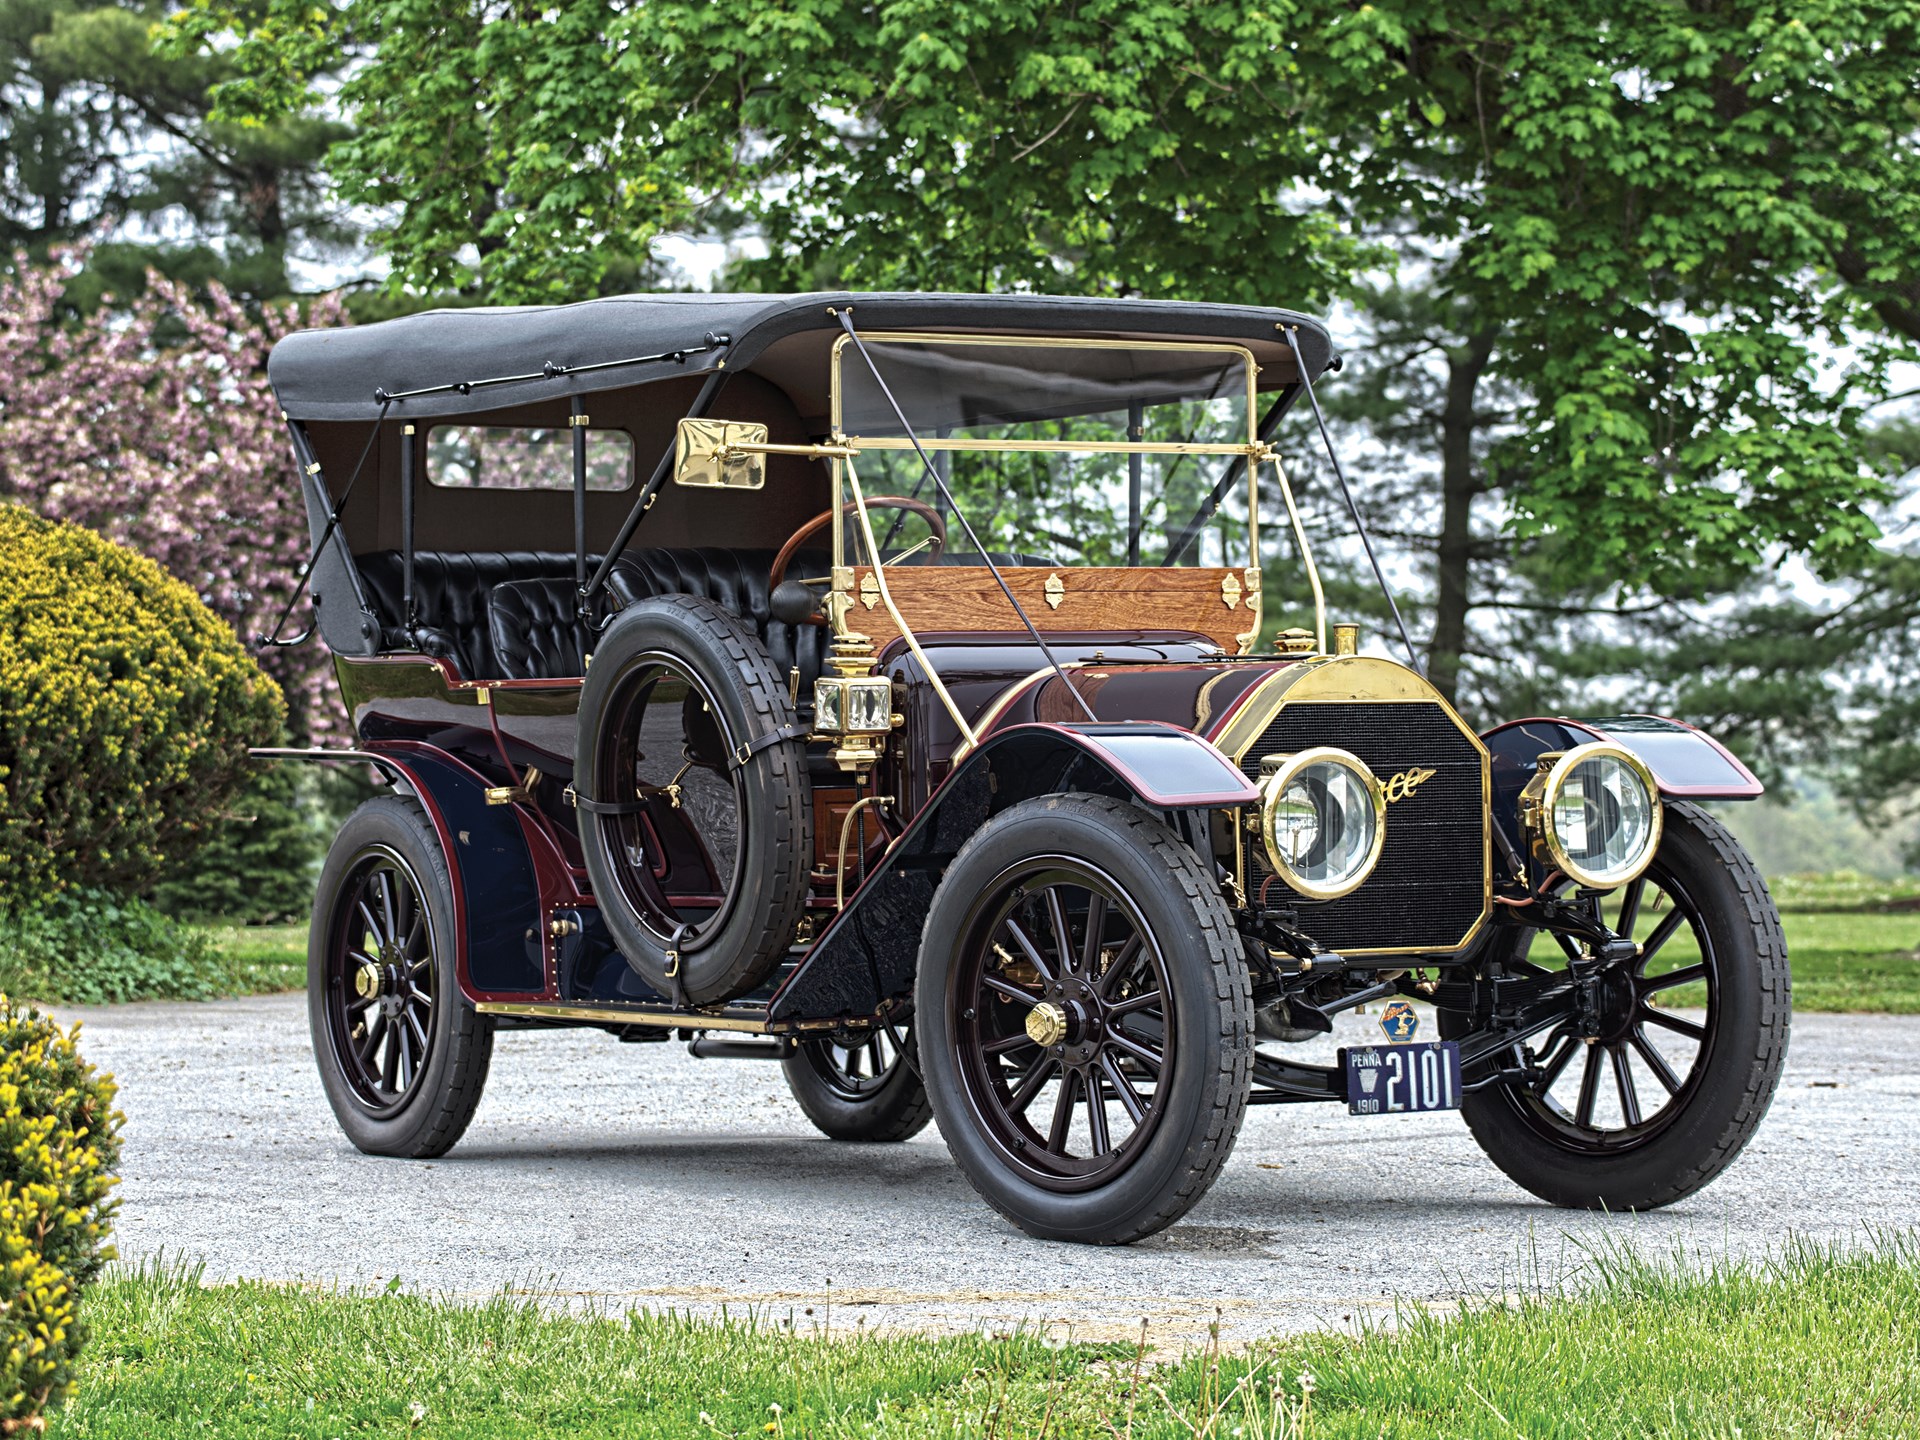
pixel 1085 1019
pixel 1654 1090
pixel 403 1058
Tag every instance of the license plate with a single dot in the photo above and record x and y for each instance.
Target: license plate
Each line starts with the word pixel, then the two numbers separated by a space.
pixel 1401 1079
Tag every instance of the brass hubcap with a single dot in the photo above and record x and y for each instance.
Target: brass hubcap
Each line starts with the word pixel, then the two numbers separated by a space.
pixel 366 981
pixel 1046 1024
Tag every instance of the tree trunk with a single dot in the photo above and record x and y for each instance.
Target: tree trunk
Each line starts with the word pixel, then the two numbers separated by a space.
pixel 1458 486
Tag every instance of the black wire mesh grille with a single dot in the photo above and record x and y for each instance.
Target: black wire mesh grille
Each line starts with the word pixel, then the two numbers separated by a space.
pixel 1428 889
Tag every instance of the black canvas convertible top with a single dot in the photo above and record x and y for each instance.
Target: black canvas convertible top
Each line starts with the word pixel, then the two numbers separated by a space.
pixel 341 374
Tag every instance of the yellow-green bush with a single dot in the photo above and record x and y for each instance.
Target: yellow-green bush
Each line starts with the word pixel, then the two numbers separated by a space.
pixel 126 709
pixel 59 1141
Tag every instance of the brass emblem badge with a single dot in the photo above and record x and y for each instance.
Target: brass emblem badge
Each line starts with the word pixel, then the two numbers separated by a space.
pixel 1056 590
pixel 1231 589
pixel 1400 786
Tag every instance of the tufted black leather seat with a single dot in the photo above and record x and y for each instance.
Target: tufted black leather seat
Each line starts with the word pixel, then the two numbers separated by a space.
pixel 509 615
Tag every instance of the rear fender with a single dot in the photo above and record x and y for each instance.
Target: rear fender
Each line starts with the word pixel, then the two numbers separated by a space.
pixel 491 851
pixel 870 952
pixel 1687 763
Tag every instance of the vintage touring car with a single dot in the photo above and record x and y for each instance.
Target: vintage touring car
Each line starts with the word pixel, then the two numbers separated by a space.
pixel 870 682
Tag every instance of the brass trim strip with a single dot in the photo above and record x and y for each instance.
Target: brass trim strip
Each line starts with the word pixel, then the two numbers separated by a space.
pixel 620 1015
pixel 878 574
pixel 1306 554
pixel 1058 447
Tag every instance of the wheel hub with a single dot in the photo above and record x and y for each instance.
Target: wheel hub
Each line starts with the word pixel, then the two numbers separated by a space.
pixel 369 980
pixel 1046 1024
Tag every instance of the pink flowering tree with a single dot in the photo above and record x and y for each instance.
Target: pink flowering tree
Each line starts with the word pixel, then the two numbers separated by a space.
pixel 154 426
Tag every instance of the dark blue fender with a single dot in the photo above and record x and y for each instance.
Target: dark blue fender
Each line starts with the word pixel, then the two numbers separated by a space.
pixel 1688 763
pixel 870 952
pixel 497 926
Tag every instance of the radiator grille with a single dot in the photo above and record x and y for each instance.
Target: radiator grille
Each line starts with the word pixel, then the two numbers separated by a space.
pixel 1427 892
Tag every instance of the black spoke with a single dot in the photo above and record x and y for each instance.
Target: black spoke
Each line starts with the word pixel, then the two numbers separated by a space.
pixel 1036 1077
pixel 1121 963
pixel 1129 1046
pixel 1027 947
pixel 1666 1019
pixel 1145 1001
pixel 1097 1115
pixel 1062 1113
pixel 1623 1079
pixel 1123 1089
pixel 1673 979
pixel 1630 907
pixel 1568 944
pixel 384 879
pixel 370 1040
pixel 1010 990
pixel 1656 1062
pixel 1662 933
pixel 1589 1089
pixel 1062 932
pixel 1096 927
pixel 1015 1041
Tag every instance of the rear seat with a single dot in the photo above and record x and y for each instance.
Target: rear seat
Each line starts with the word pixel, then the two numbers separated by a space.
pixel 509 615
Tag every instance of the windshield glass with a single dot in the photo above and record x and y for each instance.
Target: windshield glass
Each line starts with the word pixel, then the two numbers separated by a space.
pixel 1018 433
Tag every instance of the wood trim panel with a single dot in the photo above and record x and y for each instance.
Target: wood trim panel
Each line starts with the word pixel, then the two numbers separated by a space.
pixel 965 597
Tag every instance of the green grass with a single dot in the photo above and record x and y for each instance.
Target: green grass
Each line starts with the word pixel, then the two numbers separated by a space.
pixel 1817 1343
pixel 1849 962
pixel 262 958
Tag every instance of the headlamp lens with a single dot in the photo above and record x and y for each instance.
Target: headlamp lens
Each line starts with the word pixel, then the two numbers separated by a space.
pixel 1603 820
pixel 1321 819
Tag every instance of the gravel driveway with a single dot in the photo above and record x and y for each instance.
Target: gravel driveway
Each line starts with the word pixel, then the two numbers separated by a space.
pixel 636 1175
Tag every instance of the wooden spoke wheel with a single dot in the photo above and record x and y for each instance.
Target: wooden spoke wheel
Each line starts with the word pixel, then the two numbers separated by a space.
pixel 1084 1019
pixel 861 1086
pixel 402 1056
pixel 1660 1072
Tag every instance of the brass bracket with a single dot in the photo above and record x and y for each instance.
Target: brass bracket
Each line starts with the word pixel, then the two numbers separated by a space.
pixel 1055 590
pixel 1231 590
pixel 521 794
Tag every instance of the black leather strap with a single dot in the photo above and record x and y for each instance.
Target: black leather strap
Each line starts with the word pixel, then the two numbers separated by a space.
pixel 605 807
pixel 797 730
pixel 741 758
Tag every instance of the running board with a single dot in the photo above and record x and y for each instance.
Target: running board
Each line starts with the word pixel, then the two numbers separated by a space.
pixel 743 1020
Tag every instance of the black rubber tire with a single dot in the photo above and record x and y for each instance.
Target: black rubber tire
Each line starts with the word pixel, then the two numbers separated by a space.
pixel 1180 900
pixel 777 800
pixel 441 1107
pixel 1754 1012
pixel 898 1109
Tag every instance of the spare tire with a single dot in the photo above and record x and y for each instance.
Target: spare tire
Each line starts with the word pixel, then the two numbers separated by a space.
pixel 696 815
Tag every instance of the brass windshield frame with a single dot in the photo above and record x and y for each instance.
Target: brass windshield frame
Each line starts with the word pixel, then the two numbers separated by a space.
pixel 1255 451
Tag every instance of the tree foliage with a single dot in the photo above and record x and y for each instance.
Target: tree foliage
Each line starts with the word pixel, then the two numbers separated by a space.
pixel 155 426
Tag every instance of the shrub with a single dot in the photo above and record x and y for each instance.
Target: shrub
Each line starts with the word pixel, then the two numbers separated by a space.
pixel 126 708
pixel 90 948
pixel 59 1141
pixel 259 862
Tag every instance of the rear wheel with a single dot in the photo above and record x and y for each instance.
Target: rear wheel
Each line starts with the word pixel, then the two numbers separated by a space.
pixel 403 1058
pixel 1654 1091
pixel 1084 1018
pixel 860 1086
